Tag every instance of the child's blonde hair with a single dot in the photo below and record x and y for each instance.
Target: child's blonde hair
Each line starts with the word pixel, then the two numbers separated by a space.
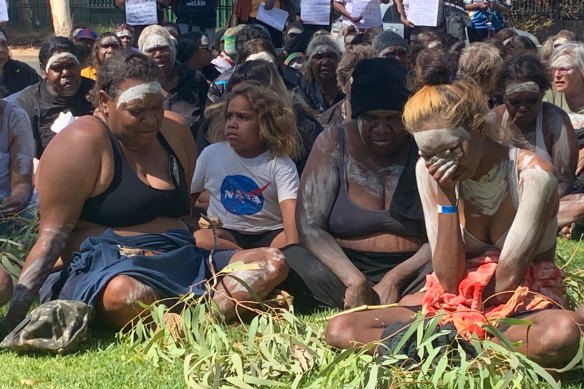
pixel 277 124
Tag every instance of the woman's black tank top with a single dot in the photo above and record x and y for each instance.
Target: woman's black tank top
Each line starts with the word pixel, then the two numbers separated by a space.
pixel 129 201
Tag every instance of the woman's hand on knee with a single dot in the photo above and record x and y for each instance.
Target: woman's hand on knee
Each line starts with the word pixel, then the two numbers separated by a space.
pixel 358 294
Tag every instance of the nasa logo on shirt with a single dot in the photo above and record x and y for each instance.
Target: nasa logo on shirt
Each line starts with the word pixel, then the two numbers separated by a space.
pixel 240 195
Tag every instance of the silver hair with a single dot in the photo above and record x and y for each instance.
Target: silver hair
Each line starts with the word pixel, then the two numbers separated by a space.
pixel 573 50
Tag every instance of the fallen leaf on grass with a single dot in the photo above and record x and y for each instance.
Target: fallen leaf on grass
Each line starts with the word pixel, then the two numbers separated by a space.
pixel 174 324
pixel 303 357
pixel 31 382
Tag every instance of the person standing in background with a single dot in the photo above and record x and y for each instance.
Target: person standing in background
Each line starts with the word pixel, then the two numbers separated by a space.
pixel 403 9
pixel 345 8
pixel 196 15
pixel 247 11
pixel 486 18
pixel 160 8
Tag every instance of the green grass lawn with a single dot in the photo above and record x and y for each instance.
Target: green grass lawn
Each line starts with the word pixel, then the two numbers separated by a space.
pixel 287 351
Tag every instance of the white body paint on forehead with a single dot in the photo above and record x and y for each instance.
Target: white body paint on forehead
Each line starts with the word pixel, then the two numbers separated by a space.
pixel 124 33
pixel 153 41
pixel 59 56
pixel 108 40
pixel 321 49
pixel 521 87
pixel 294 30
pixel 430 141
pixel 139 92
pixel 3 37
pixel 262 56
pixel 487 193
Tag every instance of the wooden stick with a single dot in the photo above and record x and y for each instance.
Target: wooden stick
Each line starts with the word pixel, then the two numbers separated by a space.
pixel 363 308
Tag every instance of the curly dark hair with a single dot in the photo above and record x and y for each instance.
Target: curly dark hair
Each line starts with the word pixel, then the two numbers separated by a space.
pixel 56 44
pixel 523 68
pixel 121 66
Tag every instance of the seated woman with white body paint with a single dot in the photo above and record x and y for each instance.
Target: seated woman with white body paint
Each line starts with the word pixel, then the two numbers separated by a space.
pixel 358 210
pixel 16 155
pixel 248 173
pixel 118 231
pixel 490 213
pixel 525 121
pixel 185 89
pixel 62 90
pixel 103 48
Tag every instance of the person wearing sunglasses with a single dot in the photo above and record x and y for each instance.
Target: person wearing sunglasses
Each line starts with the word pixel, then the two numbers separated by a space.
pixel 567 68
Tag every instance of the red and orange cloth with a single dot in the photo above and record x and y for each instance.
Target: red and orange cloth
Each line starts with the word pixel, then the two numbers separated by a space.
pixel 543 288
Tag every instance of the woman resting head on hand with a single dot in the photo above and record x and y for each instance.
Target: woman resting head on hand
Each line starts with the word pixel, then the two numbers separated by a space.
pixel 490 214
pixel 118 229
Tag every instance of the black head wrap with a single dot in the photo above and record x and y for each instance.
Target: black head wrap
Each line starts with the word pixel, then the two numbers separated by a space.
pixel 378 83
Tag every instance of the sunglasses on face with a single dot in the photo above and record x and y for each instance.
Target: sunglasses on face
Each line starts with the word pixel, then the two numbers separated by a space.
pixel 562 70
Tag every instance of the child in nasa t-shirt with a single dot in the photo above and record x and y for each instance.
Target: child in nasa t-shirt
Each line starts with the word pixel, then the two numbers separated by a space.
pixel 251 190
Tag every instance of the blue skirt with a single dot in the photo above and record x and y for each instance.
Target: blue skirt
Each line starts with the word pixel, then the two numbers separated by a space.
pixel 169 262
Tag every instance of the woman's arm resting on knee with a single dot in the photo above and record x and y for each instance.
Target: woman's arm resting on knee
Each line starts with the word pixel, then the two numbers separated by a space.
pixel 318 190
pixel 538 205
pixel 390 287
pixel 66 177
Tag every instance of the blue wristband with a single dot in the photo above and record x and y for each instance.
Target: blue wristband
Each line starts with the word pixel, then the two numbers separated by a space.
pixel 448 209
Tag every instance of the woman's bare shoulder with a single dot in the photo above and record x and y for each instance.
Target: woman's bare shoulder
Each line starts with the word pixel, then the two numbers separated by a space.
pixel 497 112
pixel 328 140
pixel 529 162
pixel 174 121
pixel 86 132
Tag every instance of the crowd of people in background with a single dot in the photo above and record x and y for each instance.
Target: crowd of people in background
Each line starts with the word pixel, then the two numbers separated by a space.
pixel 353 169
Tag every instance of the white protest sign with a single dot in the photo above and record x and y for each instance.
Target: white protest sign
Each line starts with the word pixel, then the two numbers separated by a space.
pixel 315 12
pixel 370 11
pixel 141 12
pixel 3 11
pixel 424 12
pixel 275 17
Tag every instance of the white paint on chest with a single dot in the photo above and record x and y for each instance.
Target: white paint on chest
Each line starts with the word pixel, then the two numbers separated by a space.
pixel 487 193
